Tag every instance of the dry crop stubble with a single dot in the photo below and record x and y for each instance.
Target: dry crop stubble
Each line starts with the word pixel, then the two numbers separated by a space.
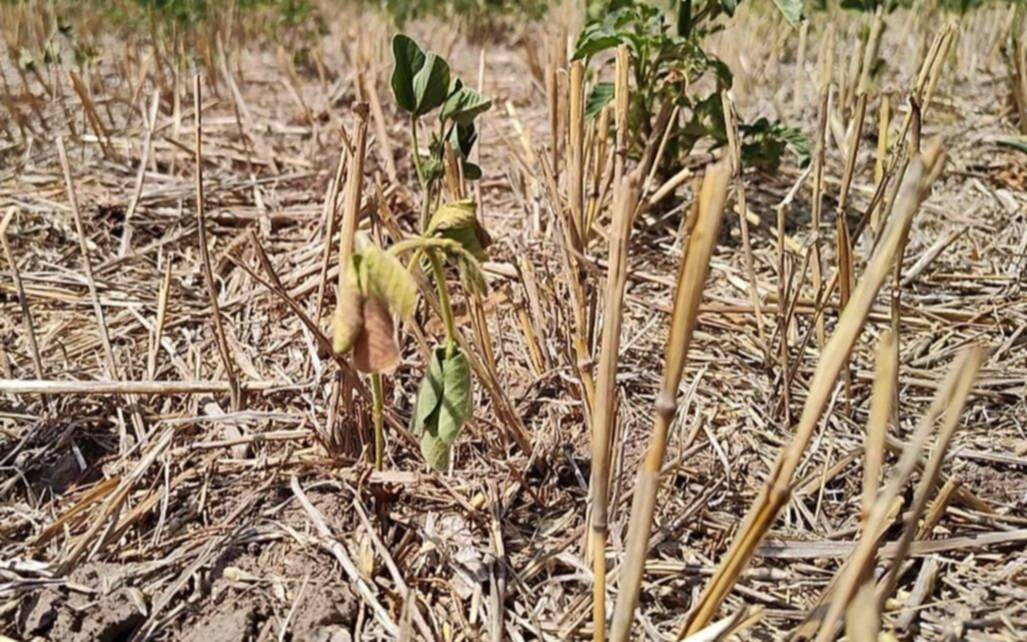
pixel 632 375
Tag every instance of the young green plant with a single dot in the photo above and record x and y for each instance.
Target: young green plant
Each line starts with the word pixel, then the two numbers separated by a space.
pixel 422 84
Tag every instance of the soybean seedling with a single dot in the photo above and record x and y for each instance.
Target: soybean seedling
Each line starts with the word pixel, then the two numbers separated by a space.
pixel 422 84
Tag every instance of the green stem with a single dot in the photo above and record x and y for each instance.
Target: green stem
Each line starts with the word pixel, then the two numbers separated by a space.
pixel 379 433
pixel 447 310
pixel 415 150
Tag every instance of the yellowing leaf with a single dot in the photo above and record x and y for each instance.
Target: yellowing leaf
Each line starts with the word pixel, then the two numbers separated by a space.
pixel 376 349
pixel 454 216
pixel 387 279
pixel 349 316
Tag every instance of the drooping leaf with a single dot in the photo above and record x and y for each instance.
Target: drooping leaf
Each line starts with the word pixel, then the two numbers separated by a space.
pixel 470 273
pixel 470 239
pixel 429 395
pixel 349 315
pixel 387 280
pixel 791 10
pixel 435 451
pixel 462 138
pixel 464 105
pixel 431 84
pixel 376 350
pixel 458 222
pixel 444 404
pixel 599 97
pixel 456 404
pixel 408 59
pixel 456 215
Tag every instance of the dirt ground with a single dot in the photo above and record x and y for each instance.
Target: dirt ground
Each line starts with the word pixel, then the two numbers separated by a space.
pixel 172 516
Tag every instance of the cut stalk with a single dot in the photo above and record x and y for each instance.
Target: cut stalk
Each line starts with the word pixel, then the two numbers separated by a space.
pixel 605 412
pixel 776 492
pixel 691 277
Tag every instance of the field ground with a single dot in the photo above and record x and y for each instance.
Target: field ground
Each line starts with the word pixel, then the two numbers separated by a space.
pixel 170 515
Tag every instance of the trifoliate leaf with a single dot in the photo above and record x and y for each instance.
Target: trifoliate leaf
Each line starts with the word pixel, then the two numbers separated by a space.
pixel 464 104
pixel 791 10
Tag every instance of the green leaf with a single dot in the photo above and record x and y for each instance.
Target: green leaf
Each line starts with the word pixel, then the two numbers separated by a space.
pixel 387 279
pixel 595 40
pixel 599 97
pixel 435 451
pixel 431 84
pixel 462 138
pixel 420 81
pixel 472 240
pixel 464 105
pixel 408 59
pixel 456 405
pixel 471 171
pixel 444 403
pixel 791 10
pixel 429 396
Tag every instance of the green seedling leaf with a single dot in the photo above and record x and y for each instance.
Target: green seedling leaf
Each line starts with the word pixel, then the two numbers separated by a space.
pixel 420 81
pixel 600 97
pixel 431 84
pixel 386 279
pixel 444 404
pixel 462 138
pixel 464 105
pixel 595 40
pixel 471 171
pixel 435 451
pixel 456 405
pixel 348 319
pixel 429 396
pixel 791 10
pixel 408 59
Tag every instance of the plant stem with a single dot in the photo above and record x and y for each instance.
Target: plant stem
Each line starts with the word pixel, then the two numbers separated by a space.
pixel 415 150
pixel 376 413
pixel 447 310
